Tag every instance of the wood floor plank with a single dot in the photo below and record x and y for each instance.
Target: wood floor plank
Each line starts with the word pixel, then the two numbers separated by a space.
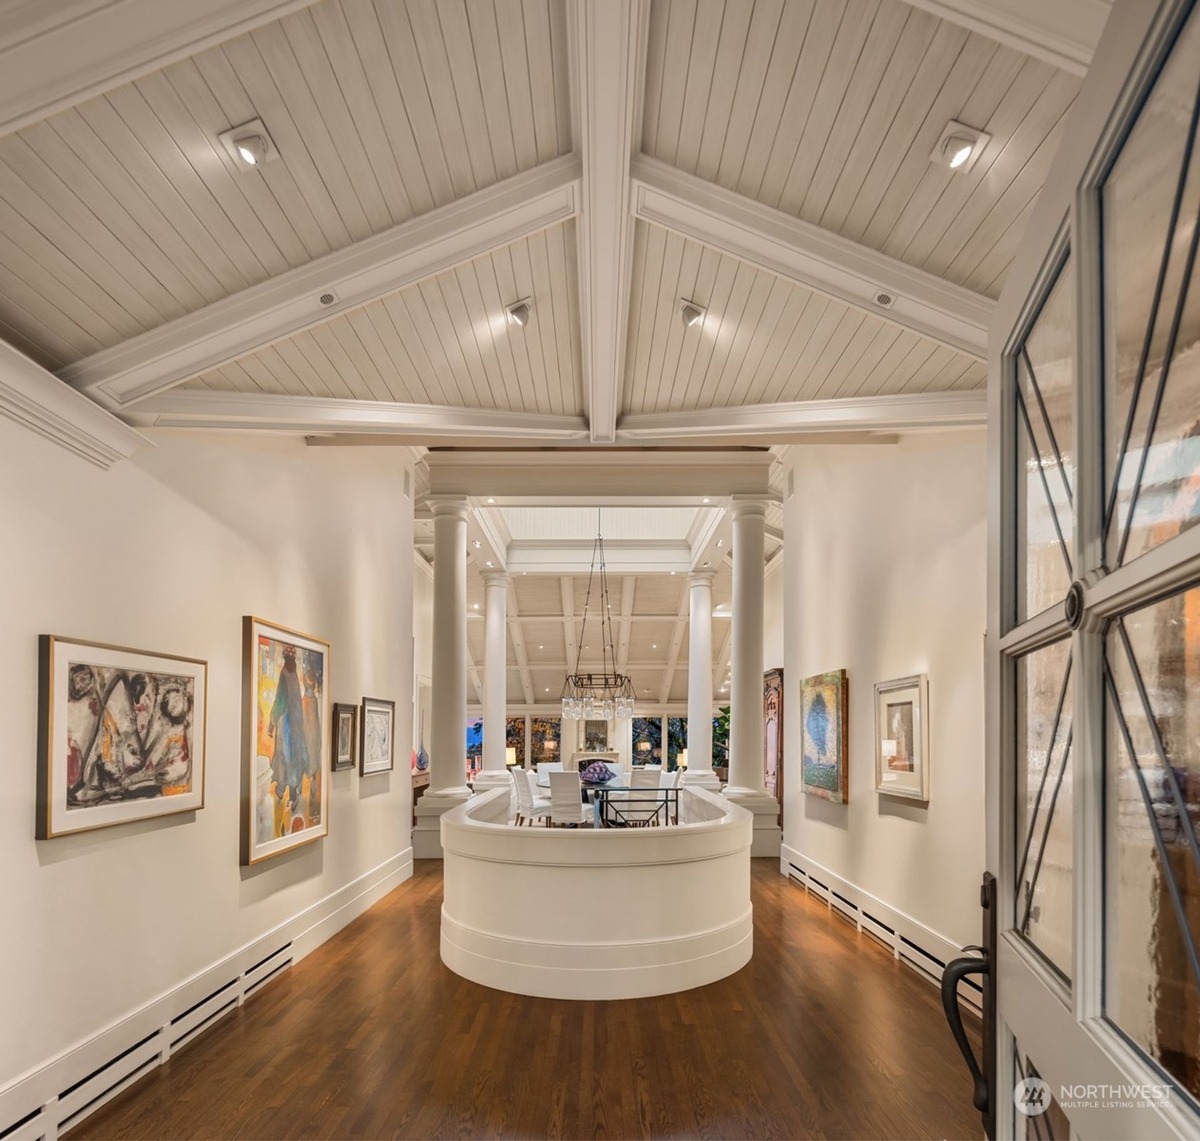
pixel 822 1035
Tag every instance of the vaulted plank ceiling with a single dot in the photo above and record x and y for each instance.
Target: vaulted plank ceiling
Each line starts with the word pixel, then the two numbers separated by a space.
pixel 436 162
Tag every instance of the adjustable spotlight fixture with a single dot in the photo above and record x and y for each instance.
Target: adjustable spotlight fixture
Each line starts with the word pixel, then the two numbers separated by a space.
pixel 519 312
pixel 691 313
pixel 249 145
pixel 959 146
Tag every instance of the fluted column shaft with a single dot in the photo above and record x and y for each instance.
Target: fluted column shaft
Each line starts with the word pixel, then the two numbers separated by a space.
pixel 447 754
pixel 746 704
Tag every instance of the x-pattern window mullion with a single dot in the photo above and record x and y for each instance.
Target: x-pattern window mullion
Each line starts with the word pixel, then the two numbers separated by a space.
pixel 1045 483
pixel 1053 438
pixel 1037 804
pixel 1037 866
pixel 1181 918
pixel 1148 341
pixel 1172 780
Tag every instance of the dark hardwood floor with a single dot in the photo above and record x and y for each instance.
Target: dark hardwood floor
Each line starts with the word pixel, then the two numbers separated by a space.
pixel 823 1035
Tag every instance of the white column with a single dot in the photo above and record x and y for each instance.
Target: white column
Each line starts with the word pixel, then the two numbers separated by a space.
pixel 746 785
pixel 495 681
pixel 447 745
pixel 700 694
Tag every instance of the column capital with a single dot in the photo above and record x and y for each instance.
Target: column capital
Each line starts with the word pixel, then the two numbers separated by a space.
pixel 454 506
pixel 741 506
pixel 698 577
pixel 494 578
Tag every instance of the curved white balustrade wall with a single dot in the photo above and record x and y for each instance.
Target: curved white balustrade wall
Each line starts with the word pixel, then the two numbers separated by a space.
pixel 597 913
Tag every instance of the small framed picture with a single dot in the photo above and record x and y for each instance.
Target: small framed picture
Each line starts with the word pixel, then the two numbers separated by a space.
pixel 902 737
pixel 377 743
pixel 345 736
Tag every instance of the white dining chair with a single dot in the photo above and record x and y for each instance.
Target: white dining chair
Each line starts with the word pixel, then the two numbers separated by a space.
pixel 529 807
pixel 566 800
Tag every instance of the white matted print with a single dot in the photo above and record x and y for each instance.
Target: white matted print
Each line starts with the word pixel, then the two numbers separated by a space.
pixel 378 746
pixel 902 737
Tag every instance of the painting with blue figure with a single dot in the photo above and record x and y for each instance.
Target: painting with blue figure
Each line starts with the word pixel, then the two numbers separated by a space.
pixel 824 701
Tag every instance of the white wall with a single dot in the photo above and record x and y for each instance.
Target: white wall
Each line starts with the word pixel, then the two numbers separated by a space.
pixel 167 551
pixel 884 576
pixel 773 618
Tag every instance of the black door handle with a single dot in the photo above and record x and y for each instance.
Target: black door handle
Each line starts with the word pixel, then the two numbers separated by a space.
pixel 956 970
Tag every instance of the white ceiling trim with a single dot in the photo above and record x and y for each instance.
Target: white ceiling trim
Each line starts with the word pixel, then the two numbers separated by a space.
pixel 681 625
pixel 53 56
pixel 285 305
pixel 31 396
pixel 317 414
pixel 608 46
pixel 621 556
pixel 1062 32
pixel 906 412
pixel 513 614
pixel 804 253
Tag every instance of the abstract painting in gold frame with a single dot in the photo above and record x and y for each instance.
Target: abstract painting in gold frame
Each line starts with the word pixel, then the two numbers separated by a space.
pixel 285 791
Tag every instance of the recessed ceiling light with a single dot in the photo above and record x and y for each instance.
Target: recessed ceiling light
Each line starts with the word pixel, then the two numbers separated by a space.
pixel 654 646
pixel 519 312
pixel 720 542
pixel 476 544
pixel 541 647
pixel 706 500
pixel 490 563
pixel 959 146
pixel 706 564
pixel 474 605
pixel 691 313
pixel 249 145
pixel 491 499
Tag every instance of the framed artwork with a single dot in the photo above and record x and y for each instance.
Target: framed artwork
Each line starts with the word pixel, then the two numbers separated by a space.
pixel 902 737
pixel 120 735
pixel 288 741
pixel 595 736
pixel 377 750
pixel 824 715
pixel 773 735
pixel 345 736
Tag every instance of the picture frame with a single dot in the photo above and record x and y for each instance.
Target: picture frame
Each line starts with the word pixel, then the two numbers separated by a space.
pixel 121 735
pixel 287 739
pixel 773 736
pixel 902 737
pixel 595 736
pixel 824 721
pixel 377 730
pixel 344 747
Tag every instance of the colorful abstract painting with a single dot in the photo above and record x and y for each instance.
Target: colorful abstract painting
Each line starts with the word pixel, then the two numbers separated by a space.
pixel 287 794
pixel 824 705
pixel 121 735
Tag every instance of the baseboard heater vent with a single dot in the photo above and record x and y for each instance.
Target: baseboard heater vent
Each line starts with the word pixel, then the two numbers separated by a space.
pixel 99 1083
pixel 903 947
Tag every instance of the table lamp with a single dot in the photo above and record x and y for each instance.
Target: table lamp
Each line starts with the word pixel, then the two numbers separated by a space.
pixel 681 760
pixel 510 756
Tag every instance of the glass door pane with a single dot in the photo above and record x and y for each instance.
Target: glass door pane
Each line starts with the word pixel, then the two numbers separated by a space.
pixel 1151 211
pixel 1043 852
pixel 1153 812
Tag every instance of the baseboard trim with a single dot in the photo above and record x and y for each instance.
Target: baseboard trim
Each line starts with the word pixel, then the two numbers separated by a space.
pixel 909 940
pixel 55 1096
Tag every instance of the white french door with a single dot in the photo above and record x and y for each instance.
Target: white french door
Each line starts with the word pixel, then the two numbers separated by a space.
pixel 1094 609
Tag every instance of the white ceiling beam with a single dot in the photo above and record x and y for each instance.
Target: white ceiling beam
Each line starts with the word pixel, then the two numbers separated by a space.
pixel 53 56
pixel 719 668
pixel 813 257
pixel 628 587
pixel 318 414
pixel 518 639
pixel 1063 32
pixel 682 618
pixel 474 675
pixel 907 412
pixel 608 46
pixel 622 556
pixel 567 594
pixel 374 267
pixel 36 399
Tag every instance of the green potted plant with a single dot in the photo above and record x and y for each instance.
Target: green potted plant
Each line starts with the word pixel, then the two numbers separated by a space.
pixel 721 743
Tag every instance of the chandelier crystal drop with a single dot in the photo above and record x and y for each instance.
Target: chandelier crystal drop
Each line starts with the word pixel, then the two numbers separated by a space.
pixel 606 694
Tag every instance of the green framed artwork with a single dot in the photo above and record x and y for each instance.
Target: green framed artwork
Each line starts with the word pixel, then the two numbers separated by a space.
pixel 824 714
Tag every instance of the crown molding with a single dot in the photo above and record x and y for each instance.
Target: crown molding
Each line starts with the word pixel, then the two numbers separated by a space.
pixel 36 399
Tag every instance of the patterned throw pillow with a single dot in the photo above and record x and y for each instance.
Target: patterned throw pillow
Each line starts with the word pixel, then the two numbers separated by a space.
pixel 597 773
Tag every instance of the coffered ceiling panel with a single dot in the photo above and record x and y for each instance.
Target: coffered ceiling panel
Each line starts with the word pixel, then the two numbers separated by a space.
pixel 125 211
pixel 444 340
pixel 829 109
pixel 763 339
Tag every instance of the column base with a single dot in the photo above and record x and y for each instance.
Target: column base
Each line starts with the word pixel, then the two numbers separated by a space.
pixel 701 778
pixel 427 831
pixel 768 836
pixel 489 779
